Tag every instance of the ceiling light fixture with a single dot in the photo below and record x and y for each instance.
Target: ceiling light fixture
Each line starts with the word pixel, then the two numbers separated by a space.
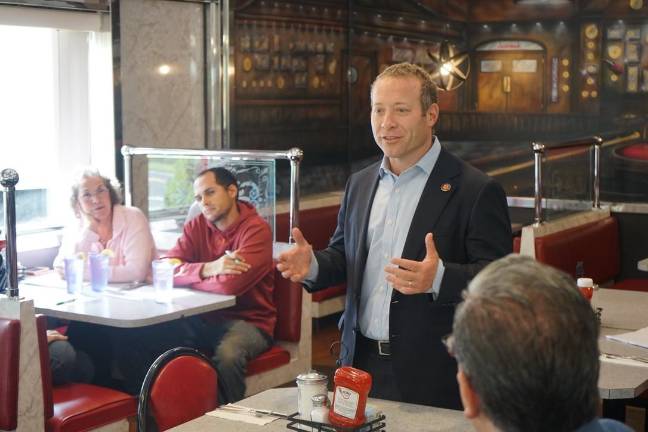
pixel 451 67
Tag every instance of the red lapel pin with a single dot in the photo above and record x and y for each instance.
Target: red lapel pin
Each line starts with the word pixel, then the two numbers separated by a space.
pixel 445 187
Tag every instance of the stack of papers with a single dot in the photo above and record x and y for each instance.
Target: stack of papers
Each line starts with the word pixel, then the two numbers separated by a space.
pixel 638 338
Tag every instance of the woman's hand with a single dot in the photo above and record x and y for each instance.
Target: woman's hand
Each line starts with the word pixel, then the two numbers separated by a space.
pixel 53 335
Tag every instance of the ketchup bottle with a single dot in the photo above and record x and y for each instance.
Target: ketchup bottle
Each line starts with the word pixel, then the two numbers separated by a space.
pixel 349 397
pixel 586 287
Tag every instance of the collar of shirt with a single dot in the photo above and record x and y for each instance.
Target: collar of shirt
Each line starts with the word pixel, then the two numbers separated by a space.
pixel 426 163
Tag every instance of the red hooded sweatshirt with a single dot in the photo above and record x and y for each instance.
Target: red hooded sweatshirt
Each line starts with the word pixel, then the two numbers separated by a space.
pixel 250 235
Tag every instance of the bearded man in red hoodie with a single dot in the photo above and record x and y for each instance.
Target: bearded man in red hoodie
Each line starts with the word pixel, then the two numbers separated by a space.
pixel 241 332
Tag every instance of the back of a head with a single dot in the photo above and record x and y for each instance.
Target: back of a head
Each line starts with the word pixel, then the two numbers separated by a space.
pixel 528 343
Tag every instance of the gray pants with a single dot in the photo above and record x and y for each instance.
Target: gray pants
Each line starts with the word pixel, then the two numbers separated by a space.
pixel 68 365
pixel 234 343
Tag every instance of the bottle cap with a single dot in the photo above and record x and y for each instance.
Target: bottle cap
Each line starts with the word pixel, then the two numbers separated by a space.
pixel 584 282
pixel 312 377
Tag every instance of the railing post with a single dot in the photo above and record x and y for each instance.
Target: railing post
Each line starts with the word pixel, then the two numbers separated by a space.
pixel 596 181
pixel 9 178
pixel 128 182
pixel 295 155
pixel 538 153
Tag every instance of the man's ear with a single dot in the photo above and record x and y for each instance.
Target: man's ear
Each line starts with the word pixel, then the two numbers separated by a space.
pixel 232 191
pixel 432 114
pixel 469 399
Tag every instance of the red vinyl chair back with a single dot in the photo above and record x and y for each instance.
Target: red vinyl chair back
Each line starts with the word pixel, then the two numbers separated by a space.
pixel 9 363
pixel 180 385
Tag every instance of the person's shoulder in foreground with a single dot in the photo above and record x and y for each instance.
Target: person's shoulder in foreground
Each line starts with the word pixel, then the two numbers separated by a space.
pixel 604 425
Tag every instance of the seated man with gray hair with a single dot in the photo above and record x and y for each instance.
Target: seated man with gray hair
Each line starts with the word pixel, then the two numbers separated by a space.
pixel 526 343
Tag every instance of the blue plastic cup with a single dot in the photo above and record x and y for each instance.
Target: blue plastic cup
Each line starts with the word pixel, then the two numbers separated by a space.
pixel 74 274
pixel 99 271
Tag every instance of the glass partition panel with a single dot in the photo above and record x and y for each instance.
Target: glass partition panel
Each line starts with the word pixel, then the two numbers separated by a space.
pixel 170 184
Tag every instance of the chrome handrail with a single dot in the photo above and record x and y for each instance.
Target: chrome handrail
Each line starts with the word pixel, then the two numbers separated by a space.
pixel 539 150
pixel 9 178
pixel 293 155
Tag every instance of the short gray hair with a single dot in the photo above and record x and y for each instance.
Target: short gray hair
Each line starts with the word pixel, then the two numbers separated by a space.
pixel 528 342
pixel 409 70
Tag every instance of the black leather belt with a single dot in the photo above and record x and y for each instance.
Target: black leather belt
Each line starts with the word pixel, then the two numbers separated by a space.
pixel 382 348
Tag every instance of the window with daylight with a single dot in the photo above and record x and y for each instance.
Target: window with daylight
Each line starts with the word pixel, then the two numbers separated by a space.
pixel 57 107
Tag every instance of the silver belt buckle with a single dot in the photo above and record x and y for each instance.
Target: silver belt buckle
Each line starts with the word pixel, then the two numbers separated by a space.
pixel 387 351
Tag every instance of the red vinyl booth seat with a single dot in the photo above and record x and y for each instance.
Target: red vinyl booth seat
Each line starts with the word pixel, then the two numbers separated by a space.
pixel 78 407
pixel 288 300
pixel 317 225
pixel 9 363
pixel 330 292
pixel 273 358
pixel 596 245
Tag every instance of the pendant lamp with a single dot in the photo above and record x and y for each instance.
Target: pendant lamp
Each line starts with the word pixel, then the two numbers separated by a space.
pixel 451 67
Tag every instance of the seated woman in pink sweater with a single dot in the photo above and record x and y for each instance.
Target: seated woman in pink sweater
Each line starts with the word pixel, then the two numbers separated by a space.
pixel 103 223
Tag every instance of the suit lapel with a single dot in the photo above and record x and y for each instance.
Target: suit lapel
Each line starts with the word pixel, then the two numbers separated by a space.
pixel 440 187
pixel 366 191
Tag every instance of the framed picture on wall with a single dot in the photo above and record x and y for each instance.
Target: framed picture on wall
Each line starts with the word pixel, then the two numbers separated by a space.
pixel 632 85
pixel 615 32
pixel 633 33
pixel 632 51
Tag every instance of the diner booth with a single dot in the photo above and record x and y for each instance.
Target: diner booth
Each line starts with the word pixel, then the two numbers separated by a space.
pixel 548 98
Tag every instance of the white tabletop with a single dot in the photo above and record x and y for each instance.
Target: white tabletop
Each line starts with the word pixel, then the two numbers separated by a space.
pixel 117 307
pixel 623 311
pixel 399 416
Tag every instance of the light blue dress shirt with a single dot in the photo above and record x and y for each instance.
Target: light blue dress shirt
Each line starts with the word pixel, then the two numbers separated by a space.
pixel 391 215
pixel 392 210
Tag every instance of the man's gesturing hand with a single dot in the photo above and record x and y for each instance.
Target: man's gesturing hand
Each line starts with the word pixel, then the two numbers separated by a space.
pixel 414 277
pixel 295 262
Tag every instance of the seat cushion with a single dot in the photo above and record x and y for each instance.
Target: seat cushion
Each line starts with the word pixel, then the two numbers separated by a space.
pixel 9 361
pixel 330 292
pixel 595 244
pixel 632 285
pixel 80 407
pixel 274 357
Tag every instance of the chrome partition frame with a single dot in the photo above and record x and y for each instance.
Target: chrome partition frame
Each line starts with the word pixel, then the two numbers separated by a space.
pixel 9 178
pixel 294 156
pixel 539 149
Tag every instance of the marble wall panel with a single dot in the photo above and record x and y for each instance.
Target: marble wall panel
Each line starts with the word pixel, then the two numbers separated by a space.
pixel 162 80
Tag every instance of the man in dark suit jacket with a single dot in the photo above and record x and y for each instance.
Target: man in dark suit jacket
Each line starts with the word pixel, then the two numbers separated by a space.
pixel 412 231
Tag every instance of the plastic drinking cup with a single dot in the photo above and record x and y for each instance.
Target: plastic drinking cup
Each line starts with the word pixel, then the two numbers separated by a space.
pixel 162 280
pixel 74 274
pixel 99 270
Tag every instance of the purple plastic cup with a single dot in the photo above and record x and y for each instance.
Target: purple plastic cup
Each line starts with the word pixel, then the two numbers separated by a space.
pixel 99 270
pixel 73 274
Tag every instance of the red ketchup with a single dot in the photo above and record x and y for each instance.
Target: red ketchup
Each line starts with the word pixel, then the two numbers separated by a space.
pixel 349 397
pixel 586 287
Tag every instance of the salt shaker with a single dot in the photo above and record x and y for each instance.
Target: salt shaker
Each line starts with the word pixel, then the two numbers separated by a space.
pixel 308 385
pixel 320 410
